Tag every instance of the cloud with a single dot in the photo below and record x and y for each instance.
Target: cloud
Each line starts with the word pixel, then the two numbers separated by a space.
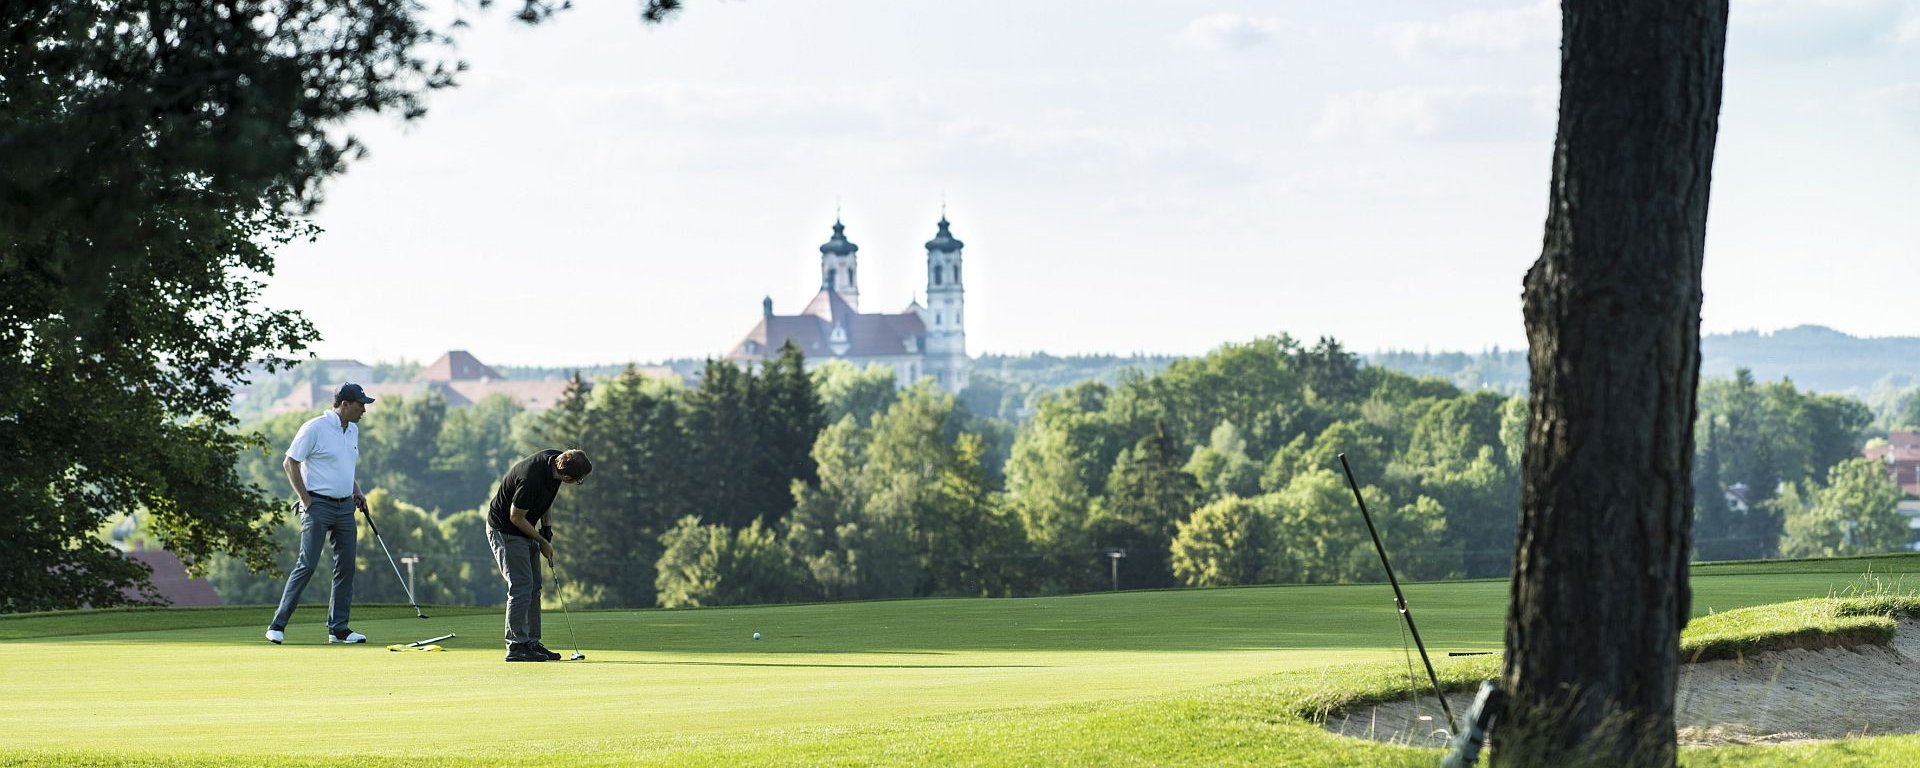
pixel 1908 32
pixel 1233 32
pixel 1901 102
pixel 1483 32
pixel 1474 113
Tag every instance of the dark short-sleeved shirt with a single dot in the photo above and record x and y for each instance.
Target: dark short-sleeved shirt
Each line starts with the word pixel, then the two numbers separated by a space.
pixel 529 485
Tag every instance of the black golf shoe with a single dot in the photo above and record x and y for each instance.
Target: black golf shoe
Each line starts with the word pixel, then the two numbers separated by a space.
pixel 524 652
pixel 545 651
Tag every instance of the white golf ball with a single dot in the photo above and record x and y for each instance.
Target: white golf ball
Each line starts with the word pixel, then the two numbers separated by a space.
pixel 756 635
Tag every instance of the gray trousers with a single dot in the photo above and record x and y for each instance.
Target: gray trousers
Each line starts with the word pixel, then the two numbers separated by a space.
pixel 519 560
pixel 334 521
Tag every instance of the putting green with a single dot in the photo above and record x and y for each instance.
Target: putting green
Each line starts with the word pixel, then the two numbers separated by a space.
pixel 693 676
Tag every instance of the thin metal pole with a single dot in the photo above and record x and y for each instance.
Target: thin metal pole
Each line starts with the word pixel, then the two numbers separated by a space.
pixel 1398 597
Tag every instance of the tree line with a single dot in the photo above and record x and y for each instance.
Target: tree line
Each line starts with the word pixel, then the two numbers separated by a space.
pixel 779 484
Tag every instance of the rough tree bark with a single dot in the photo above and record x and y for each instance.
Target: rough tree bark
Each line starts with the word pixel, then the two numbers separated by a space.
pixel 1599 591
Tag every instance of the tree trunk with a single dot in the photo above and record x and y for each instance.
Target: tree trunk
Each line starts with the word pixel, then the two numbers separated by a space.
pixel 1599 591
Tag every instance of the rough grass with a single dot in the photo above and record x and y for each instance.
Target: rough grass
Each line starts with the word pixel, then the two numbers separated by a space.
pixel 1809 624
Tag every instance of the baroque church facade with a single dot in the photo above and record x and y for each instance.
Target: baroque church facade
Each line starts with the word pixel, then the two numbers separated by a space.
pixel 920 341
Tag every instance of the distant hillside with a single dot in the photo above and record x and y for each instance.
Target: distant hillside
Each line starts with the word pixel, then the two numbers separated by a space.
pixel 1816 358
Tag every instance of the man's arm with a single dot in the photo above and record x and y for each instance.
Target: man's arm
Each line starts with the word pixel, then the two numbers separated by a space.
pixel 299 483
pixel 519 518
pixel 359 499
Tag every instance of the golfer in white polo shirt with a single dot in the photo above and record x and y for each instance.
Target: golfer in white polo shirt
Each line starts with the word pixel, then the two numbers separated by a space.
pixel 319 465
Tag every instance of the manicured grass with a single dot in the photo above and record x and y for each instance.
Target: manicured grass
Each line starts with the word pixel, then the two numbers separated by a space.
pixel 64 623
pixel 1197 677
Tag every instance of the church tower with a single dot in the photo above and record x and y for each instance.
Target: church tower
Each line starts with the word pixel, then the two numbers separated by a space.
pixel 839 259
pixel 945 313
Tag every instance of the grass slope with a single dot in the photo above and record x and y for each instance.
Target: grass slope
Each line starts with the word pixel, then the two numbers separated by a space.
pixel 1213 677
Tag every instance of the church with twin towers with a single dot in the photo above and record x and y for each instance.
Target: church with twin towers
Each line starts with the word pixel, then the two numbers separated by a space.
pixel 920 341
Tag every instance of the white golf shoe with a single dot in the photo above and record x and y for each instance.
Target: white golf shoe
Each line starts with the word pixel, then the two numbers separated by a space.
pixel 352 638
pixel 276 636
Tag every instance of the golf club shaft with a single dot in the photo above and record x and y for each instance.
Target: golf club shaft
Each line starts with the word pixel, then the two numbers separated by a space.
pixel 564 612
pixel 396 566
pixel 1398 596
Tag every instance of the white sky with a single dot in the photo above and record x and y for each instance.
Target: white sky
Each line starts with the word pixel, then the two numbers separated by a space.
pixel 1127 175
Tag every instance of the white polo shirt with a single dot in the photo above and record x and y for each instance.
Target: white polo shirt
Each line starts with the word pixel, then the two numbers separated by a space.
pixel 326 454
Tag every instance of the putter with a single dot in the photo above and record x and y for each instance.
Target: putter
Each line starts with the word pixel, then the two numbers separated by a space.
pixel 396 566
pixel 421 645
pixel 577 655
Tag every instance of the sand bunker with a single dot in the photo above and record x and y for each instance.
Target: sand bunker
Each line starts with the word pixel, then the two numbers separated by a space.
pixel 1772 698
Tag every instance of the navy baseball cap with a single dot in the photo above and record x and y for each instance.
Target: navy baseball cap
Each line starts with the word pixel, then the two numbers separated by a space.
pixel 351 391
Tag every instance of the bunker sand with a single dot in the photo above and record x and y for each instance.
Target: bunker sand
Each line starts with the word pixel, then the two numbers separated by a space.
pixel 1778 697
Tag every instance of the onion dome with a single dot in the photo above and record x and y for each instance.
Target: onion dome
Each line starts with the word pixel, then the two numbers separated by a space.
pixel 839 245
pixel 944 241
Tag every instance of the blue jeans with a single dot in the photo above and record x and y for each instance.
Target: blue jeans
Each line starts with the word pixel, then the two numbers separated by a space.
pixel 332 520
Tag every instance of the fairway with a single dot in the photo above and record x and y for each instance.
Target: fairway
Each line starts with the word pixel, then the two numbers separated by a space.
pixel 667 686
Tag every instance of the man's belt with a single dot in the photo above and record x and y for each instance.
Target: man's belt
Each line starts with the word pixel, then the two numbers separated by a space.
pixel 329 498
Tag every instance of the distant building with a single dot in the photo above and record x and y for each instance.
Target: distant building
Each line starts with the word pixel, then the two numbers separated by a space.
pixel 170 579
pixel 457 375
pixel 1901 453
pixel 918 341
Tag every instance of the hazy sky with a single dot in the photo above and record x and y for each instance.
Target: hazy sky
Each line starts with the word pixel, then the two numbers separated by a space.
pixel 1127 176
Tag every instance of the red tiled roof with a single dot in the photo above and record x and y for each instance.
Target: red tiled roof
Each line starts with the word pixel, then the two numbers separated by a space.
pixel 812 330
pixel 457 365
pixel 171 581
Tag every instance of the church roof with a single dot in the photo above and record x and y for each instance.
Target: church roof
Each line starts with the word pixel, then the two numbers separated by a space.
pixel 839 245
pixel 944 241
pixel 813 329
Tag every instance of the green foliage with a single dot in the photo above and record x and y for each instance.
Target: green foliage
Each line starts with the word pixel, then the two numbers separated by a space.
pixel 1060 462
pixel 607 532
pixel 711 565
pixel 472 449
pixel 1241 383
pixel 904 507
pixel 455 567
pixel 153 155
pixel 848 391
pixel 1226 543
pixel 1753 438
pixel 1857 512
pixel 1222 466
pixel 1148 496
pixel 118 387
pixel 399 437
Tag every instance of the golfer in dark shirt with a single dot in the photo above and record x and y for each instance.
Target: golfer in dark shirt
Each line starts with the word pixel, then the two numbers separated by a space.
pixel 517 530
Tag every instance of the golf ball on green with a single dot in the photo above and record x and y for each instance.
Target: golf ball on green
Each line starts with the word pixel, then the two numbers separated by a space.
pixel 756 635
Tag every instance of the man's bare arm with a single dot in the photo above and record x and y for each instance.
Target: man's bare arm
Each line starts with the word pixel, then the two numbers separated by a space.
pixel 519 518
pixel 299 484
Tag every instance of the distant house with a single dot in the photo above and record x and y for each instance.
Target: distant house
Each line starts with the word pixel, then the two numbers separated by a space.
pixel 170 579
pixel 1901 453
pixel 457 375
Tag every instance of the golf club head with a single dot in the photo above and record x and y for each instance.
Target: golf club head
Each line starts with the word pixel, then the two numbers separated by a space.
pixel 577 656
